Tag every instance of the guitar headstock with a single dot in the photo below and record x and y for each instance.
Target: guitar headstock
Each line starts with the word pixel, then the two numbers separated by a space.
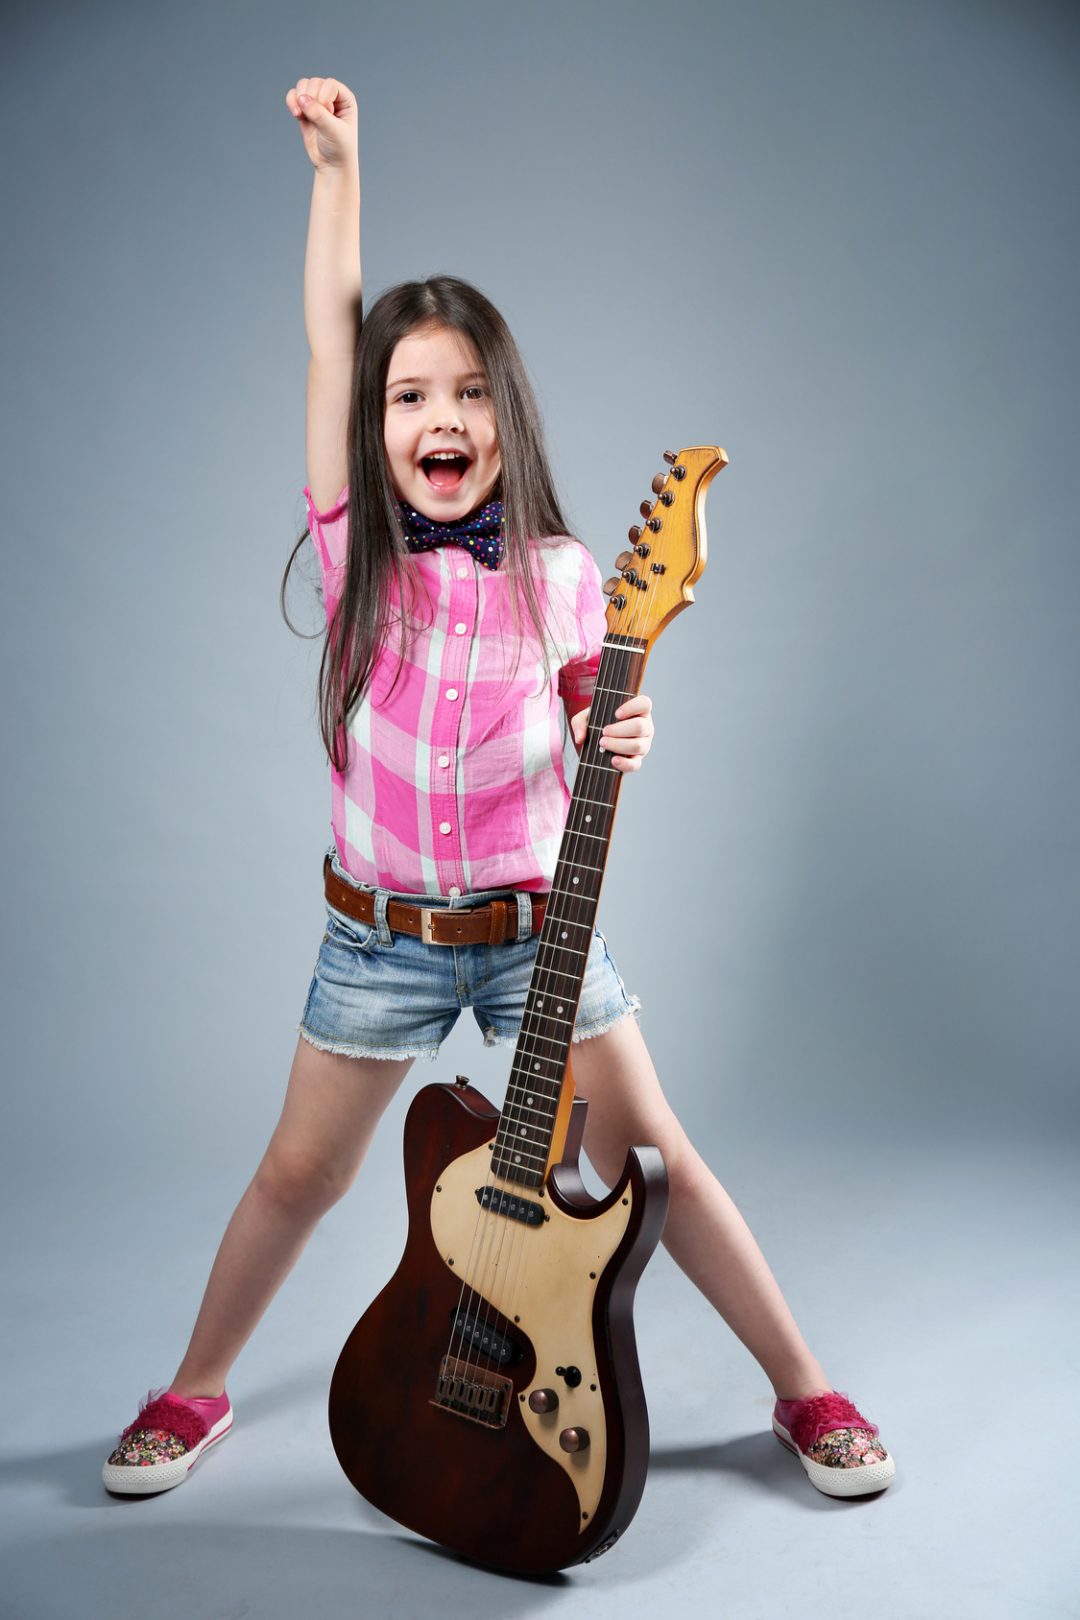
pixel 656 578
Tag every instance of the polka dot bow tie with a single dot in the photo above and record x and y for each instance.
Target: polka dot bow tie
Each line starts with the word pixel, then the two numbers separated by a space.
pixel 481 532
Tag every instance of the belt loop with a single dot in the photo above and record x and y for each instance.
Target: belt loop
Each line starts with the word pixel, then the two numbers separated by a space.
pixel 525 916
pixel 382 900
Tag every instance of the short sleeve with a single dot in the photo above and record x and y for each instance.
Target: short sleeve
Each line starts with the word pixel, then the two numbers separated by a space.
pixel 330 534
pixel 577 678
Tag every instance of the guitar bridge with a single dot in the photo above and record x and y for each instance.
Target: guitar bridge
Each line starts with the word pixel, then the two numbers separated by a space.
pixel 472 1392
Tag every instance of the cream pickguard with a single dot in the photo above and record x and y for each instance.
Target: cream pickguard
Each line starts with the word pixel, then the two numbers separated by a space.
pixel 543 1278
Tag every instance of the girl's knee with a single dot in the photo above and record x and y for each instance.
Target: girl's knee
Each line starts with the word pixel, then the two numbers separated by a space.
pixel 608 1155
pixel 294 1178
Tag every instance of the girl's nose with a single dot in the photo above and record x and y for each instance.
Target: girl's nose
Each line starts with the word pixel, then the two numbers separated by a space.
pixel 444 418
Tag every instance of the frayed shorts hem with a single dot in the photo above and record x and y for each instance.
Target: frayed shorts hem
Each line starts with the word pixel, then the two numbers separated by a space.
pixel 351 1049
pixel 491 1038
pixel 608 1023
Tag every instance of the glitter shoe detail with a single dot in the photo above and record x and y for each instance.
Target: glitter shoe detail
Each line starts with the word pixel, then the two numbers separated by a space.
pixel 840 1450
pixel 160 1447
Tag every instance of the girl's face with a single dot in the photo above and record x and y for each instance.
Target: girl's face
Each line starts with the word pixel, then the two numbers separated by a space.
pixel 438 400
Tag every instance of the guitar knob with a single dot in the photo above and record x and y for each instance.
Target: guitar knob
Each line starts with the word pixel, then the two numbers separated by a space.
pixel 670 457
pixel 623 560
pixel 646 507
pixel 634 533
pixel 612 584
pixel 543 1400
pixel 574 1439
pixel 658 483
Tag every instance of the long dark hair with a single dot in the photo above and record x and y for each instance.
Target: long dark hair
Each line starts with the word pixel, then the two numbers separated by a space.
pixel 377 552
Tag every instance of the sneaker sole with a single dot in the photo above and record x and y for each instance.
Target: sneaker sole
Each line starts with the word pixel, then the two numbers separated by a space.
pixel 128 1479
pixel 858 1481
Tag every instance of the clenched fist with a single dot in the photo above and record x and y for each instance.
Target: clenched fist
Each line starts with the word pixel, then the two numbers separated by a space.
pixel 326 112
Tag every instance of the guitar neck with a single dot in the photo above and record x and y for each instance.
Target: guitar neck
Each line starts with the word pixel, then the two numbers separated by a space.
pixel 522 1145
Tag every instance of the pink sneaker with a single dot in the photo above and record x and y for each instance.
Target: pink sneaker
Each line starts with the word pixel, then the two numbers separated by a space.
pixel 836 1445
pixel 162 1445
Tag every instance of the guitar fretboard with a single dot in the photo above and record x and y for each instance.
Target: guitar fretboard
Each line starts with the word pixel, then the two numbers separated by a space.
pixel 523 1140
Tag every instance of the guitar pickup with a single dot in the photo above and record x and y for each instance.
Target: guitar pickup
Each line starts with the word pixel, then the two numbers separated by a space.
pixel 510 1205
pixel 483 1337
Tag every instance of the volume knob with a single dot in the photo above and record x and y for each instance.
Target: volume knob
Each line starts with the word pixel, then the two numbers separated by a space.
pixel 543 1400
pixel 574 1439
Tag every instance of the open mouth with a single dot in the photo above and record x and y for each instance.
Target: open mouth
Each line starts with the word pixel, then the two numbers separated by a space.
pixel 444 471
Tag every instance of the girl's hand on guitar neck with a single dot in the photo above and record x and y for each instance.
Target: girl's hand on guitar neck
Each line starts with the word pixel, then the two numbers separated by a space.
pixel 628 737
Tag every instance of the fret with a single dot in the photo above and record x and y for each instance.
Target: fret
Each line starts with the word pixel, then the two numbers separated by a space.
pixel 613 691
pixel 558 973
pixel 547 1018
pixel 559 1061
pixel 604 804
pixel 520 1109
pixel 520 1154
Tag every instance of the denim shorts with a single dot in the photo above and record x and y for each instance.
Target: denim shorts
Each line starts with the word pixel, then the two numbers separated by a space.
pixel 380 994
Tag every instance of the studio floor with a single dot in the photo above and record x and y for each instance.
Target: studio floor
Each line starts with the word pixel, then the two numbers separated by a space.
pixel 941 1305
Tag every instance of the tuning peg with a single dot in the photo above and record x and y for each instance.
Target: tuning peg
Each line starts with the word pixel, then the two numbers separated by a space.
pixel 646 507
pixel 670 457
pixel 612 584
pixel 658 483
pixel 623 560
pixel 634 532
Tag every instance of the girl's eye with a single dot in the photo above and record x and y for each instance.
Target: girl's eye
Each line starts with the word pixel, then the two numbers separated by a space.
pixel 475 390
pixel 408 396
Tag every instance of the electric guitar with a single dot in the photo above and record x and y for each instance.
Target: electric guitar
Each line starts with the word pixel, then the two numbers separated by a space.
pixel 490 1397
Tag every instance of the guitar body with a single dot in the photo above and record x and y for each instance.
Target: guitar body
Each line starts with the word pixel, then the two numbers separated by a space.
pixel 453 1449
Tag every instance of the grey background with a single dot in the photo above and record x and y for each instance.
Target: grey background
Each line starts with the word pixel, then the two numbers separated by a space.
pixel 840 240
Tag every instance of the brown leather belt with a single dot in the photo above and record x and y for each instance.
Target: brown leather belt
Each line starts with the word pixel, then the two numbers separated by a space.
pixel 493 924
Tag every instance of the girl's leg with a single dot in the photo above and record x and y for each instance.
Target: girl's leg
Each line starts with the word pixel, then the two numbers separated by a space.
pixel 704 1232
pixel 331 1109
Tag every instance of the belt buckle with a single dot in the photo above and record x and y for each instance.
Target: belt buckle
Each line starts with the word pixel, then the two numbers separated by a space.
pixel 425 926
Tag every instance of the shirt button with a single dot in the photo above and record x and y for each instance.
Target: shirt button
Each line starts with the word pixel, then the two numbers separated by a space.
pixel 444 759
pixel 444 826
pixel 461 573
pixel 454 890
pixel 451 693
pixel 460 629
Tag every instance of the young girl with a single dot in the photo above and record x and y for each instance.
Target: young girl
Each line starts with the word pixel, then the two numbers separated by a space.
pixel 461 621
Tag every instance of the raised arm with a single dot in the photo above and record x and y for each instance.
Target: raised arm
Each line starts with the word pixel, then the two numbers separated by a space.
pixel 332 305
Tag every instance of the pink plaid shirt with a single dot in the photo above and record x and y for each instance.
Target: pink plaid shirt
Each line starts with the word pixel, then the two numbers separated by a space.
pixel 454 781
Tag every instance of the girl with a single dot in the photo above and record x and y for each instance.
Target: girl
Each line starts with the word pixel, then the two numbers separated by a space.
pixel 461 619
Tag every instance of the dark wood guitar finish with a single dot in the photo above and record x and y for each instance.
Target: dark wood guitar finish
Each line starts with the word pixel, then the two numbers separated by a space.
pixel 490 1397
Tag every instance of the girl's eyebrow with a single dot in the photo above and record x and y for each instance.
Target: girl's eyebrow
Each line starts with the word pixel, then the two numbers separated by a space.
pixel 469 376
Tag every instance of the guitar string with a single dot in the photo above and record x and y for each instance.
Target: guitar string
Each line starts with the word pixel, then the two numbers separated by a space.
pixel 483 1269
pixel 503 1298
pixel 514 1240
pixel 509 1287
pixel 475 1266
pixel 509 1239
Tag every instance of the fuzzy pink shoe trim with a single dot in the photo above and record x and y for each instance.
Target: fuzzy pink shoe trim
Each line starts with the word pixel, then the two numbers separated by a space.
pixel 807 1420
pixel 189 1420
